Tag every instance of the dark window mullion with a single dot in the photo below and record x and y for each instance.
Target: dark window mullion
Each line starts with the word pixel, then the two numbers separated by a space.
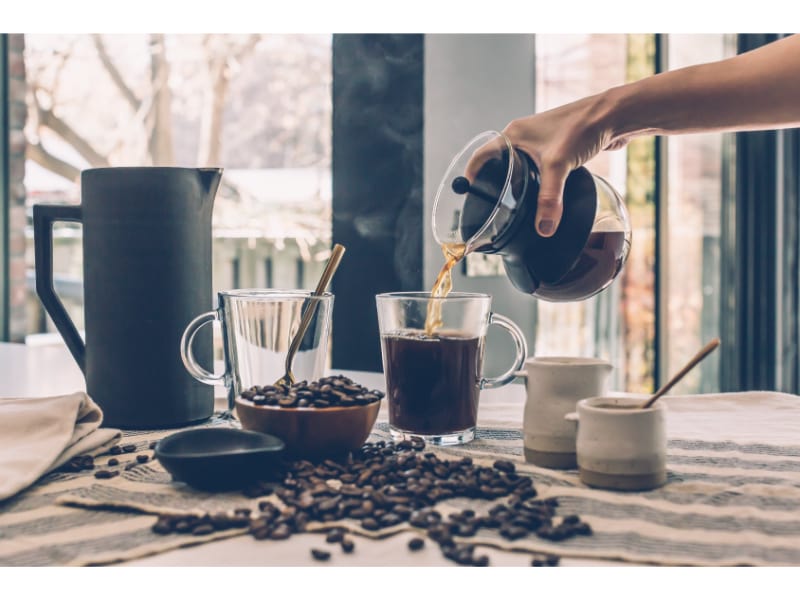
pixel 751 337
pixel 661 237
pixel 4 189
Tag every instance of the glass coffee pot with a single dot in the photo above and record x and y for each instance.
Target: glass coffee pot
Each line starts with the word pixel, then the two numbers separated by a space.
pixel 494 213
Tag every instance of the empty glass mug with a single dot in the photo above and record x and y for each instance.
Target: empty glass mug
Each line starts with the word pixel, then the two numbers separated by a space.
pixel 434 379
pixel 257 329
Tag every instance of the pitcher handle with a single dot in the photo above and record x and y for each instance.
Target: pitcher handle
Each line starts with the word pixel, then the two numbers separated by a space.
pixel 187 354
pixel 44 215
pixel 521 350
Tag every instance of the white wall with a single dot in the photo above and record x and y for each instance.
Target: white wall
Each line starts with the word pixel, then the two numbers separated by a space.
pixel 475 82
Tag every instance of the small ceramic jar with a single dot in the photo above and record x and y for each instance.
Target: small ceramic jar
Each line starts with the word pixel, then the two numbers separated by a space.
pixel 619 445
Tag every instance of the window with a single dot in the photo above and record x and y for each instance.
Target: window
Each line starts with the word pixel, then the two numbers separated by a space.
pixel 695 188
pixel 259 105
pixel 622 323
pixel 619 323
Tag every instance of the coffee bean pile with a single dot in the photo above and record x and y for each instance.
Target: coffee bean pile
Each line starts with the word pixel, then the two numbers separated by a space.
pixel 323 393
pixel 385 484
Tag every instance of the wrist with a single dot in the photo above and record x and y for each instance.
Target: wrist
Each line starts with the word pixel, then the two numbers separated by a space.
pixel 616 112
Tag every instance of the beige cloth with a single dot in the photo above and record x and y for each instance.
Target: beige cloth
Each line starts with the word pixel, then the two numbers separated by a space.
pixel 38 435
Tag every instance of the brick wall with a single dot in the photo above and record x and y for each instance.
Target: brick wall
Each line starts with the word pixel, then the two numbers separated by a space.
pixel 17 114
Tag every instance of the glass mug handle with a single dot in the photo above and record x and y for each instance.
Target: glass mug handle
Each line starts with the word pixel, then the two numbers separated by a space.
pixel 519 360
pixel 187 354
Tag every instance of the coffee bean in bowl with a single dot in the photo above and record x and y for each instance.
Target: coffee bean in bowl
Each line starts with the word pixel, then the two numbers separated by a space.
pixel 328 417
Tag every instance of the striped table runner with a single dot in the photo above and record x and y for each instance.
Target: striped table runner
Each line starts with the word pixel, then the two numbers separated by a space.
pixel 725 503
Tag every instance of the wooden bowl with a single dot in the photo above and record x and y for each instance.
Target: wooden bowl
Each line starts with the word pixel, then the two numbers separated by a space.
pixel 311 432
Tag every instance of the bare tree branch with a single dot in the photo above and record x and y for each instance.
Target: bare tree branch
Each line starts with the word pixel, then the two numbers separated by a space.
pixel 248 46
pixel 113 72
pixel 48 119
pixel 38 154
pixel 220 66
pixel 160 117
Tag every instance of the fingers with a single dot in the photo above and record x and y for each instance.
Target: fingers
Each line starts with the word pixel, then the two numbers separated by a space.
pixel 550 205
pixel 491 149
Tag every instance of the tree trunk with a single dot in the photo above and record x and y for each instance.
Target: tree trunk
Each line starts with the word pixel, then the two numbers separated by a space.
pixel 210 150
pixel 159 121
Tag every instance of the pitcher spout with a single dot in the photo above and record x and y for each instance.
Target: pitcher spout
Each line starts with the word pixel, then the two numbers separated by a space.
pixel 210 178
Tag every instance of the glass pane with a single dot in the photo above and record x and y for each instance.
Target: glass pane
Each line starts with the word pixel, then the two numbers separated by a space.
pixel 617 324
pixel 258 105
pixel 693 205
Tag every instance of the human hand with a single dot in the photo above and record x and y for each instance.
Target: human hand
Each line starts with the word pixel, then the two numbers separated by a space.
pixel 558 141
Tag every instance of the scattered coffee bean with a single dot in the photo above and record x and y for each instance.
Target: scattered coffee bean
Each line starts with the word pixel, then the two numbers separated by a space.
pixel 320 554
pixel 142 458
pixel 115 450
pixel 481 561
pixel 384 484
pixel 506 466
pixel 113 462
pixel 334 536
pixel 82 462
pixel 102 474
pixel 203 529
pixel 128 448
pixel 416 544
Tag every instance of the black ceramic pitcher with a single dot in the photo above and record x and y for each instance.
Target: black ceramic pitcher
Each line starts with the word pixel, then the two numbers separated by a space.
pixel 146 274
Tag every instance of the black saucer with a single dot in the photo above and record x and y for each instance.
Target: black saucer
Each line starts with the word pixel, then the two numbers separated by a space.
pixel 216 459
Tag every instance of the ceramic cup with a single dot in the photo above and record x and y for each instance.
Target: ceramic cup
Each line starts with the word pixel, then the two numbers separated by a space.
pixel 554 384
pixel 619 445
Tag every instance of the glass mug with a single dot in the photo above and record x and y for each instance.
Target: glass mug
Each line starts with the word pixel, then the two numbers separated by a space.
pixel 433 382
pixel 257 329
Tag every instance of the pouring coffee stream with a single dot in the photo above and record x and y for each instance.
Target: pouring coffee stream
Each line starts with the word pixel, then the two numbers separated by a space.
pixel 308 313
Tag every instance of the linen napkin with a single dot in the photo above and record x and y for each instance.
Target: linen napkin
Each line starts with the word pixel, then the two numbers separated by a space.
pixel 38 435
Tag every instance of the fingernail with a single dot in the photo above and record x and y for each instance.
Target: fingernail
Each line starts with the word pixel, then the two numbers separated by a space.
pixel 546 226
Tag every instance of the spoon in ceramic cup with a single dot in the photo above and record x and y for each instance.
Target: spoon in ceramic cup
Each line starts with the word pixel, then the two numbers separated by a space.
pixel 705 351
pixel 308 314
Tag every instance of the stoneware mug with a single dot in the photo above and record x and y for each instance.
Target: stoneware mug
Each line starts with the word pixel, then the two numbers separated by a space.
pixel 621 446
pixel 554 384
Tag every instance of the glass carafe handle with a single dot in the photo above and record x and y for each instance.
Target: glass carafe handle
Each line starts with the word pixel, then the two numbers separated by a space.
pixel 521 350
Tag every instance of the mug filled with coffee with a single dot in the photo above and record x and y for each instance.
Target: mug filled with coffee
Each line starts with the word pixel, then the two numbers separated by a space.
pixel 433 349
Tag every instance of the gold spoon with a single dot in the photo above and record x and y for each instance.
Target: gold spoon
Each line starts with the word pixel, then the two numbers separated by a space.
pixel 705 351
pixel 324 280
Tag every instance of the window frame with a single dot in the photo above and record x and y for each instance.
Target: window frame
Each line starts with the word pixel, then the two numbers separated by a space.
pixel 5 192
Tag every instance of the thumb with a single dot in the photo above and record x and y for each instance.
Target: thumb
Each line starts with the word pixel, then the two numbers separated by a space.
pixel 549 206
